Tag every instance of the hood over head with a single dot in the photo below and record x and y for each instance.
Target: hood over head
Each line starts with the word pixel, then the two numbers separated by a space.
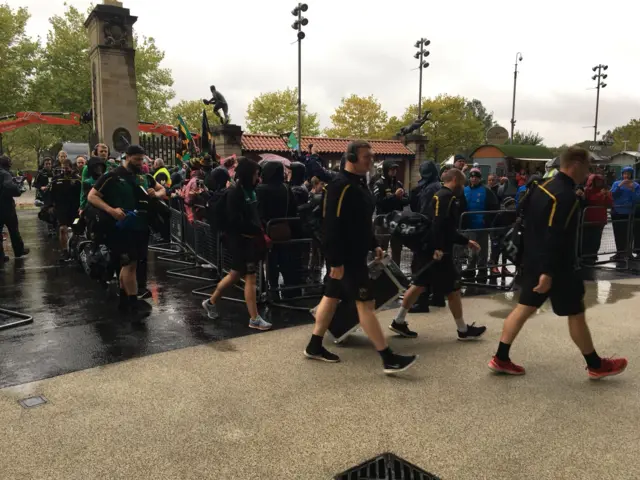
pixel 428 173
pixel 297 173
pixel 388 165
pixel 273 173
pixel 218 179
pixel 244 172
pixel 96 166
pixel 629 169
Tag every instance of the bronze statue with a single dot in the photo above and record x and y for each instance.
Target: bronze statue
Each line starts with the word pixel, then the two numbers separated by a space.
pixel 219 103
pixel 415 125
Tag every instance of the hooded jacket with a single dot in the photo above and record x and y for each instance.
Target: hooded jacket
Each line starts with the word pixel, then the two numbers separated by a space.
pixel 217 179
pixel 420 197
pixel 314 168
pixel 479 198
pixel 384 191
pixel 43 179
pixel 300 193
pixel 625 198
pixel 65 190
pixel 8 190
pixel 275 199
pixel 92 171
pixel 242 206
pixel 596 197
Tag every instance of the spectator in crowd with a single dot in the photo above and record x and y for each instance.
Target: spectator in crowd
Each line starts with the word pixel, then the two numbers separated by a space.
pixel 245 240
pixel 314 166
pixel 521 178
pixel 29 178
pixel 62 156
pixel 191 191
pixel 8 216
pixel 65 196
pixel 389 196
pixel 479 198
pixel 81 161
pixel 626 195
pixel 460 162
pixel 597 200
pixel 493 184
pixel 296 182
pixel 161 174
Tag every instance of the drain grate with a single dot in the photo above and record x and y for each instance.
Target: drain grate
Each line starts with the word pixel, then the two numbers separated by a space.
pixel 386 467
pixel 32 402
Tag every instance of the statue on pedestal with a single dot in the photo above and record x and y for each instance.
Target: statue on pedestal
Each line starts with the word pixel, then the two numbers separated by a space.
pixel 219 103
pixel 404 131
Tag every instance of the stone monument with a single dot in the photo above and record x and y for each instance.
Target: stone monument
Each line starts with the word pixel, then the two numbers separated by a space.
pixel 113 74
pixel 418 145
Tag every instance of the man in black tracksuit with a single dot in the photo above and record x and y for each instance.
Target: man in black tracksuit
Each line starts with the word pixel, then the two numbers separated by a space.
pixel 8 216
pixel 390 196
pixel 349 237
pixel 442 276
pixel 244 240
pixel 65 195
pixel 551 219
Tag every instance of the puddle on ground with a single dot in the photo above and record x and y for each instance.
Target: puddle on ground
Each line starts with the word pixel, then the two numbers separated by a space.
pixel 600 292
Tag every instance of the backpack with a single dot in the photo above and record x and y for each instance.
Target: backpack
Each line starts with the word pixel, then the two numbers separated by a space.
pixel 512 245
pixel 411 228
pixel 216 212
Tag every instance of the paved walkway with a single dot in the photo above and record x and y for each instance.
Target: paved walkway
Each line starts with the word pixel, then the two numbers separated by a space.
pixel 254 408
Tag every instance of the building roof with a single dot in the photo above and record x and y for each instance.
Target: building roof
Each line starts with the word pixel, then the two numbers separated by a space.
pixel 521 151
pixel 630 153
pixel 275 143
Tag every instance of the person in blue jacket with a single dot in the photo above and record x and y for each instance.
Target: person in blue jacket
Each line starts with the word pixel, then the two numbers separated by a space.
pixel 479 198
pixel 626 195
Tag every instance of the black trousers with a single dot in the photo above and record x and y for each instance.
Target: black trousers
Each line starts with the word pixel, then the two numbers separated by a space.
pixel 591 239
pixel 620 231
pixel 9 217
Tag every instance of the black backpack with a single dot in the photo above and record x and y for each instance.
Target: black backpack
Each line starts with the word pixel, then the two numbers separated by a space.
pixel 411 228
pixel 512 245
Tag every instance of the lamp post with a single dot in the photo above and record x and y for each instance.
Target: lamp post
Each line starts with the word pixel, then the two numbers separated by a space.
pixel 598 77
pixel 297 25
pixel 420 55
pixel 513 105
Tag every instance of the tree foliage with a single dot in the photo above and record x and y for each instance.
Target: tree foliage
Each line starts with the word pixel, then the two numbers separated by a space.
pixel 358 117
pixel 277 113
pixel 480 112
pixel 18 56
pixel 559 150
pixel 453 126
pixel 629 133
pixel 527 138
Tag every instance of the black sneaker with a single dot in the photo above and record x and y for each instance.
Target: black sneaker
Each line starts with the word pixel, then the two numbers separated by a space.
pixel 399 363
pixel 422 307
pixel 472 333
pixel 25 252
pixel 323 355
pixel 402 329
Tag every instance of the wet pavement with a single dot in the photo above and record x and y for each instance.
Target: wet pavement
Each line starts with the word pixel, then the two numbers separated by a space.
pixel 76 325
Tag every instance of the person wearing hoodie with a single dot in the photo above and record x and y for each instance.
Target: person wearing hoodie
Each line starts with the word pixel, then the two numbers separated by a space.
pixel 96 167
pixel 8 216
pixel 314 167
pixel 479 198
pixel 244 240
pixel 65 195
pixel 390 196
pixel 597 200
pixel 626 194
pixel 276 200
pixel 296 182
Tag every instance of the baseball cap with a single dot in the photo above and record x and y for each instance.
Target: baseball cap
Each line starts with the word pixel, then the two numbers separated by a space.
pixel 475 172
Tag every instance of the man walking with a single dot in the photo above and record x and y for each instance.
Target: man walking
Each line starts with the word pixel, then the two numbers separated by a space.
pixel 348 240
pixel 8 216
pixel 550 228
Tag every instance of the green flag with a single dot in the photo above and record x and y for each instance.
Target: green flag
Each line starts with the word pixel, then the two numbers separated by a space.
pixel 292 143
pixel 185 142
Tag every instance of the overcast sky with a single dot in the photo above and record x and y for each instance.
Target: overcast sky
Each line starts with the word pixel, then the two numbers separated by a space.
pixel 366 47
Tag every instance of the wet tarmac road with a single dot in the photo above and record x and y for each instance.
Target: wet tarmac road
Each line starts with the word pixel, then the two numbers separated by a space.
pixel 76 325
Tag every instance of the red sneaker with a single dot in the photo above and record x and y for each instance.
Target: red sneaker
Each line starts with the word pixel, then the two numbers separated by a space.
pixel 508 367
pixel 609 367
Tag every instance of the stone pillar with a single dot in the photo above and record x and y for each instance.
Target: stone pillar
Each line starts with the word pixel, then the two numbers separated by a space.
pixel 113 75
pixel 228 139
pixel 418 145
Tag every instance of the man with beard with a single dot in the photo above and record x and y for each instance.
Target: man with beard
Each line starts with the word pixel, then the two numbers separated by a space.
pixel 124 194
pixel 65 196
pixel 8 216
pixel 245 240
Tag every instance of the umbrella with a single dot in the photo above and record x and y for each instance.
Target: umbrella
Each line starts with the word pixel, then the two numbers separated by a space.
pixel 270 157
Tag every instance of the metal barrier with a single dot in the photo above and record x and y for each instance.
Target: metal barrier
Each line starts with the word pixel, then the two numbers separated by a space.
pixel 177 229
pixel 23 319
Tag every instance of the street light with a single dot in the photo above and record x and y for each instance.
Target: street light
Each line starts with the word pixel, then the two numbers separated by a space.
pixel 513 105
pixel 297 25
pixel 420 55
pixel 598 77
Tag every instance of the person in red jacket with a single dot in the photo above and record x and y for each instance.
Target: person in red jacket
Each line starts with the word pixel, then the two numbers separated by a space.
pixel 597 200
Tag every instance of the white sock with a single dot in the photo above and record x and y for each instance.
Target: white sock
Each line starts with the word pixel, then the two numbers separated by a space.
pixel 400 316
pixel 462 327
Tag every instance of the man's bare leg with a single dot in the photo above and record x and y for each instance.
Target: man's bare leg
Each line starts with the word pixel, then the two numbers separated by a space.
pixel 371 325
pixel 512 326
pixel 325 311
pixel 465 332
pixel 399 324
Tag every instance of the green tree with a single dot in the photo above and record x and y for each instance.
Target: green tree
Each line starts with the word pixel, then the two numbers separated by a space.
pixel 358 117
pixel 191 112
pixel 277 113
pixel 391 129
pixel 480 112
pixel 559 150
pixel 28 144
pixel 629 133
pixel 453 126
pixel 18 57
pixel 154 82
pixel 527 138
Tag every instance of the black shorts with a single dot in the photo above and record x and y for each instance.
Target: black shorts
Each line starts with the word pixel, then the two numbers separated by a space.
pixel 245 256
pixel 566 294
pixel 65 214
pixel 354 285
pixel 128 246
pixel 442 276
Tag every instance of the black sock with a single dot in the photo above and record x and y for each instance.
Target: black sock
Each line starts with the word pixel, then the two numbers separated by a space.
pixel 124 300
pixel 315 344
pixel 503 351
pixel 386 354
pixel 593 360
